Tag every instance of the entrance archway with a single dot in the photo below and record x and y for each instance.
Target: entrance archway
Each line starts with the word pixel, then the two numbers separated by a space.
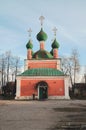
pixel 42 90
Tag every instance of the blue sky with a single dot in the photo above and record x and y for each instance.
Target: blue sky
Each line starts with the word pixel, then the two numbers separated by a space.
pixel 69 16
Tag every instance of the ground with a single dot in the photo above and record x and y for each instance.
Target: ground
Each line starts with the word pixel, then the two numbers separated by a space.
pixel 43 115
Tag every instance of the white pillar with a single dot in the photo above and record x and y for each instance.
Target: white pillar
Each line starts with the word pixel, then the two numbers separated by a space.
pixel 17 88
pixel 67 87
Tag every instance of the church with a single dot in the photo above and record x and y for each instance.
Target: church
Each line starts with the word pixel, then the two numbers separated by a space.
pixel 42 78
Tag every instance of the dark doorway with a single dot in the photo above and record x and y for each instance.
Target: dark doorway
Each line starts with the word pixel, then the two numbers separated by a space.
pixel 42 90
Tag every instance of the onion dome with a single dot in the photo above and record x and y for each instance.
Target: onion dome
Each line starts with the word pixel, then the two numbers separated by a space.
pixel 55 44
pixel 29 45
pixel 41 36
pixel 51 52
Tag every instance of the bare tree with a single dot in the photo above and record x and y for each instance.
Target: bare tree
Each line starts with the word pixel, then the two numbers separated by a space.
pixel 85 74
pixel 16 66
pixel 75 61
pixel 8 56
pixel 70 65
pixel 12 64
pixel 66 66
pixel 9 66
pixel 2 68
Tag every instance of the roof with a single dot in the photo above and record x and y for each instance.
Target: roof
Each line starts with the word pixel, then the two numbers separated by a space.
pixel 42 72
pixel 42 54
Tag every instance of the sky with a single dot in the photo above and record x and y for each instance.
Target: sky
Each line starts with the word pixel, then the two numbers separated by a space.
pixel 68 16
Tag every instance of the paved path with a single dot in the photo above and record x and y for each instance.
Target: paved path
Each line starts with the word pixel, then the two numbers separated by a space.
pixel 41 115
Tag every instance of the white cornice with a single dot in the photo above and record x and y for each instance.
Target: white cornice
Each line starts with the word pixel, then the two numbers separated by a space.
pixel 40 60
pixel 41 77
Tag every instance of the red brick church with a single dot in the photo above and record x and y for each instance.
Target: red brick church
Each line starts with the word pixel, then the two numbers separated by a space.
pixel 42 78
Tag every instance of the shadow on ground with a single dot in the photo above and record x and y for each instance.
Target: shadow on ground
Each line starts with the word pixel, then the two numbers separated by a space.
pixel 75 118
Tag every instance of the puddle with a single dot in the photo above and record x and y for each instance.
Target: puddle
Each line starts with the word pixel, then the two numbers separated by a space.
pixel 77 117
pixel 66 109
pixel 74 118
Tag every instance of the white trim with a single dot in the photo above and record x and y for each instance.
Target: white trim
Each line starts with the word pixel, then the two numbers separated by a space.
pixel 57 97
pixel 36 60
pixel 42 77
pixel 18 89
pixel 36 97
pixel 26 97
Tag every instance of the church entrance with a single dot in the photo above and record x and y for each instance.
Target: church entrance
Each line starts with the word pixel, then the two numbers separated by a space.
pixel 42 90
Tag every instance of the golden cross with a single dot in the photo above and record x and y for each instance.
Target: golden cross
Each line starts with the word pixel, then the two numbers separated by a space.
pixel 30 31
pixel 55 30
pixel 41 18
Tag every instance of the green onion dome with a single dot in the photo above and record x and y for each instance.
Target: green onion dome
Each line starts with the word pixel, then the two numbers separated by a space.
pixel 51 52
pixel 55 44
pixel 41 36
pixel 29 45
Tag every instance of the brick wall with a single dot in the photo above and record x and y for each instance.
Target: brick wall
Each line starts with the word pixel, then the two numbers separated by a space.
pixel 42 64
pixel 55 87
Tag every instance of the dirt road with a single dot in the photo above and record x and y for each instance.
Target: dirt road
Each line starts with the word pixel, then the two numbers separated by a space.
pixel 43 115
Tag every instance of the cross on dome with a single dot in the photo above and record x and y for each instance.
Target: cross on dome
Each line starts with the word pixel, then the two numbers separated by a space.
pixel 55 30
pixel 41 18
pixel 30 31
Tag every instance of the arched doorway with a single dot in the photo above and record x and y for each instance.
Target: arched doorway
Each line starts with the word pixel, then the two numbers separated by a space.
pixel 42 90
